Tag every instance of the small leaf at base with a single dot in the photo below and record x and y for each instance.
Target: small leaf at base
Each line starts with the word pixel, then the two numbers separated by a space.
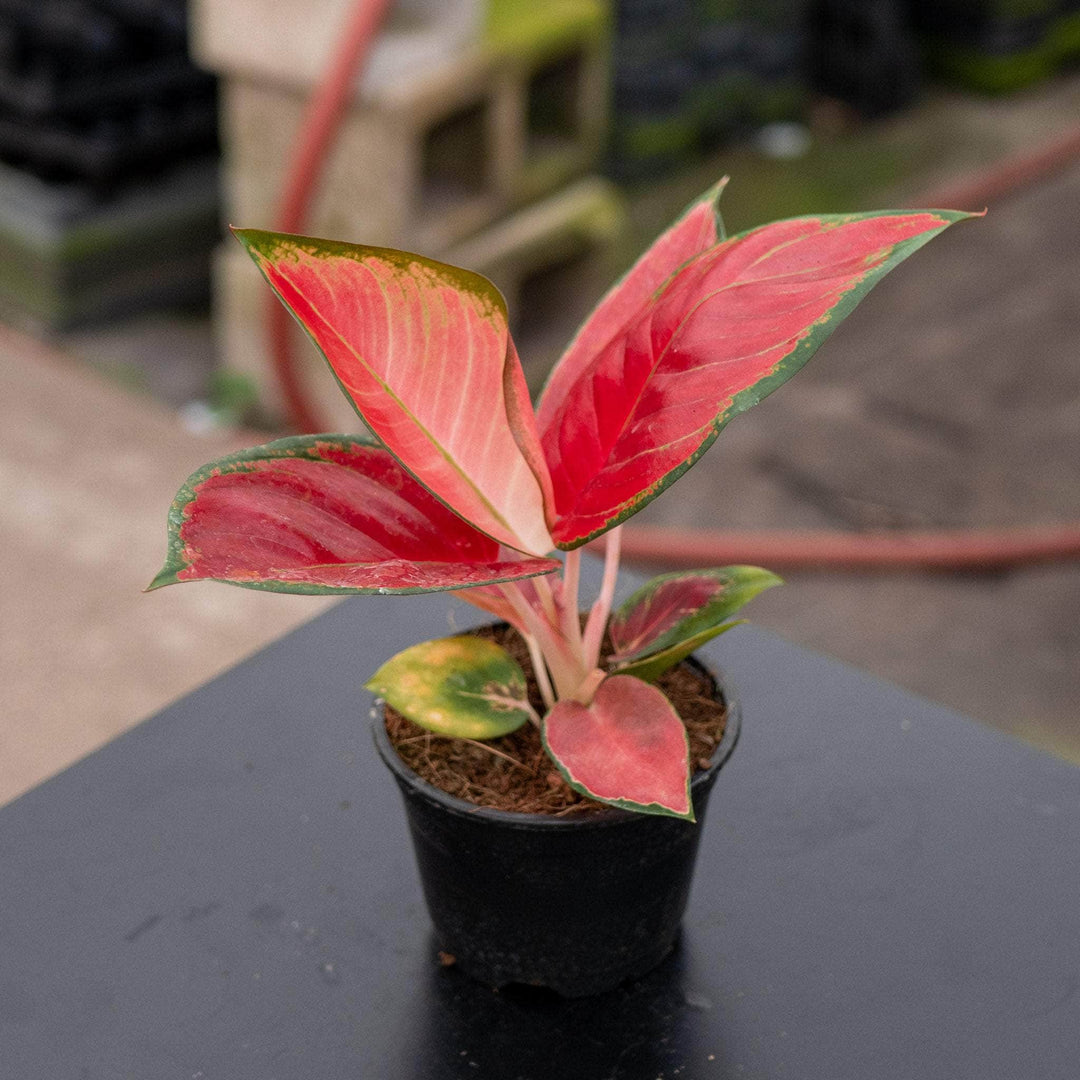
pixel 466 687
pixel 674 608
pixel 628 748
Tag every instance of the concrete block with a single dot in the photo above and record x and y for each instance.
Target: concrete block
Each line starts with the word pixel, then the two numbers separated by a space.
pixel 552 262
pixel 290 42
pixel 426 161
pixel 391 178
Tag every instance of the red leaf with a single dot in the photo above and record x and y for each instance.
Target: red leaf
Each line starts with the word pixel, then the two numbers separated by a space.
pixel 322 514
pixel 725 331
pixel 627 748
pixel 694 232
pixel 422 350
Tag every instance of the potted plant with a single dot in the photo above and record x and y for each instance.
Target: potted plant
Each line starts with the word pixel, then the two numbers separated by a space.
pixel 465 488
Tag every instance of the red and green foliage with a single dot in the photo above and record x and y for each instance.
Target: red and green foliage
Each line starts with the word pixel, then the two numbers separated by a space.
pixel 465 488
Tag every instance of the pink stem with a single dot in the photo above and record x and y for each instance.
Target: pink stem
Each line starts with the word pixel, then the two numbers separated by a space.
pixel 546 597
pixel 598 616
pixel 571 620
pixel 565 667
pixel 543 680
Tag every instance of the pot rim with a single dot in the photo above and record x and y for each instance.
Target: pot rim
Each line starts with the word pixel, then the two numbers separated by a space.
pixel 612 816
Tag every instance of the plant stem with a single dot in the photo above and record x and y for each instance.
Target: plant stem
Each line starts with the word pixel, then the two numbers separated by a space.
pixel 544 646
pixel 571 620
pixel 547 599
pixel 543 680
pixel 598 616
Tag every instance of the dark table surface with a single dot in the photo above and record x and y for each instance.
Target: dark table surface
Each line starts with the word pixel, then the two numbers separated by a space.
pixel 885 890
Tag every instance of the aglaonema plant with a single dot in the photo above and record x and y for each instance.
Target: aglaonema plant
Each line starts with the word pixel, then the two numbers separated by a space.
pixel 466 488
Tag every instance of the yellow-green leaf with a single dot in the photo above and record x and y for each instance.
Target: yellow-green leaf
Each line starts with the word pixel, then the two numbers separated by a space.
pixel 465 686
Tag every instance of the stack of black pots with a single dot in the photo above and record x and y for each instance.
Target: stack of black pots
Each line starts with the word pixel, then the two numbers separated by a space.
pixel 998 45
pixel 691 73
pixel 100 92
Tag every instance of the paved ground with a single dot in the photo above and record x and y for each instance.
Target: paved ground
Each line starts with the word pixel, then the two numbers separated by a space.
pixel 86 474
pixel 952 397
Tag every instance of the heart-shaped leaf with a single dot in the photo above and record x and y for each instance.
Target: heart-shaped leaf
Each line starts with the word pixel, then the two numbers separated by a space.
pixel 726 329
pixel 674 608
pixel 423 352
pixel 627 748
pixel 326 514
pixel 467 687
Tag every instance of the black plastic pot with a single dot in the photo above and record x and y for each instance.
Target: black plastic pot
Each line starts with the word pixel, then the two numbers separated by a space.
pixel 575 904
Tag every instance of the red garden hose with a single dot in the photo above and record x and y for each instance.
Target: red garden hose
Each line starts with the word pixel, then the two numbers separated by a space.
pixel 946 549
pixel 940 550
pixel 318 127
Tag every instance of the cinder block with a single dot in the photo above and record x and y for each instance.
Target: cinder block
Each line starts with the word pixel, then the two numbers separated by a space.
pixel 290 42
pixel 393 177
pixel 425 161
pixel 552 261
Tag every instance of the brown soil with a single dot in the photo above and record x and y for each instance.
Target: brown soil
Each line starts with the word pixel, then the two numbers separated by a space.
pixel 514 773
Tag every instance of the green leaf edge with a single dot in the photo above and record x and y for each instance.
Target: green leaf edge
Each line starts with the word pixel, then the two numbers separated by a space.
pixel 264 245
pixel 766 579
pixel 293 446
pixel 650 668
pixel 797 358
pixel 626 804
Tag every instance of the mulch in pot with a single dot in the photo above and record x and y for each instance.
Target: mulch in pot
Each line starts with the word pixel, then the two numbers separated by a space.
pixel 514 773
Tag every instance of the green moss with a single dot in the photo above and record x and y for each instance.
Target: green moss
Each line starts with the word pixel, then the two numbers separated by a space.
pixel 524 26
pixel 656 137
pixel 1065 36
pixel 992 74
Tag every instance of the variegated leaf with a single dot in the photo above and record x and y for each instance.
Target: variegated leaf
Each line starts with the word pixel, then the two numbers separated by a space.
pixel 423 352
pixel 466 686
pixel 727 329
pixel 326 514
pixel 697 230
pixel 672 608
pixel 627 748
pixel 651 667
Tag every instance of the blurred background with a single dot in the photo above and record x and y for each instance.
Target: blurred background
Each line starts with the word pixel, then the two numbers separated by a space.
pixel 543 144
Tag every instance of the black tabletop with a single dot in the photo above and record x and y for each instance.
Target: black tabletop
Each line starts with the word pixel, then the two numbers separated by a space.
pixel 885 890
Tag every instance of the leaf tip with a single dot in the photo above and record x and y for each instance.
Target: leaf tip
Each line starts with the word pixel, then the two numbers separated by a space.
pixel 165 576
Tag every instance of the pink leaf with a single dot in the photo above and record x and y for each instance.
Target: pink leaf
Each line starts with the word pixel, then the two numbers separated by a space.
pixel 492 600
pixel 322 514
pixel 423 352
pixel 694 232
pixel 627 748
pixel 726 330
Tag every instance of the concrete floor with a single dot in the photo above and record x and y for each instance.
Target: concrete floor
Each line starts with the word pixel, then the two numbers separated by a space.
pixel 952 397
pixel 87 470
